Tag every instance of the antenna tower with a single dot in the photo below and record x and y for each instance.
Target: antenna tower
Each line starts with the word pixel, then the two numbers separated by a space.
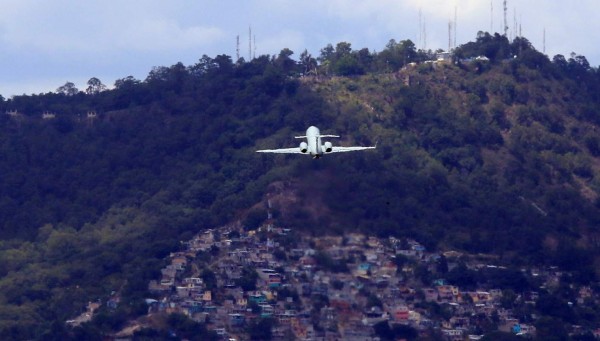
pixel 424 35
pixel 491 16
pixel 237 47
pixel 449 35
pixel 515 24
pixel 249 43
pixel 520 32
pixel 254 52
pixel 520 22
pixel 420 29
pixel 455 24
pixel 505 23
pixel 544 41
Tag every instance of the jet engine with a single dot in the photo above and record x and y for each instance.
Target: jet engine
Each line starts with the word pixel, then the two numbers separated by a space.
pixel 303 147
pixel 327 147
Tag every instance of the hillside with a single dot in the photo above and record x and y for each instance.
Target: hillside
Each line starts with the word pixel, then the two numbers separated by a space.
pixel 489 156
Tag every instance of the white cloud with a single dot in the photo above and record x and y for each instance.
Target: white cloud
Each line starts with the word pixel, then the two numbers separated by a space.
pixel 93 28
pixel 161 34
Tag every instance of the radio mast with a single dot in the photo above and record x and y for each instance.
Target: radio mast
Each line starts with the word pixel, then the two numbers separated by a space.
pixel 424 35
pixel 505 23
pixel 455 24
pixel 491 16
pixel 544 41
pixel 449 35
pixel 420 38
pixel 249 43
pixel 516 24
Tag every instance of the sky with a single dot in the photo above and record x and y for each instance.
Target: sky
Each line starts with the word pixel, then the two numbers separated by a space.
pixel 44 44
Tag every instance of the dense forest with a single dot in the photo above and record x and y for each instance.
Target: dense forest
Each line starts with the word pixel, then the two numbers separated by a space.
pixel 488 155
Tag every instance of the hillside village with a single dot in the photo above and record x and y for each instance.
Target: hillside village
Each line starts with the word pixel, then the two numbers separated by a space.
pixel 351 287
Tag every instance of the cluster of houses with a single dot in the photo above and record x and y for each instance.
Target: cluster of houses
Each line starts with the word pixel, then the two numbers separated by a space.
pixel 49 115
pixel 318 287
pixel 330 288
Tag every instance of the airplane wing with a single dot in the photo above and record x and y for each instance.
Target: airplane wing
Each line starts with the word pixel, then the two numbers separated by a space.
pixel 282 151
pixel 348 149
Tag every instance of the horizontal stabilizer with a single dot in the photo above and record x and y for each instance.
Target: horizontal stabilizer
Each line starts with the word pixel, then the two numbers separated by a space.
pixel 349 149
pixel 303 137
pixel 281 151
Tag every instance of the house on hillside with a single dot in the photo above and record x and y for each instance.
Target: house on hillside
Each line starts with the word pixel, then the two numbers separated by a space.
pixel 46 115
pixel 444 56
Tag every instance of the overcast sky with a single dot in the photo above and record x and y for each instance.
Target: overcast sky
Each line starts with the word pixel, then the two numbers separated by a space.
pixel 44 44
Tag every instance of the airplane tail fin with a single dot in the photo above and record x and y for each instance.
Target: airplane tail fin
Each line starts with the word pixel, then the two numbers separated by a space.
pixel 299 137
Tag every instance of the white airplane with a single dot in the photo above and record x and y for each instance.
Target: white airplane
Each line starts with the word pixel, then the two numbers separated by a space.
pixel 313 145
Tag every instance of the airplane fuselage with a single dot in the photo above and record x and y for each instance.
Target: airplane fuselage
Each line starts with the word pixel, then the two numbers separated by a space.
pixel 313 139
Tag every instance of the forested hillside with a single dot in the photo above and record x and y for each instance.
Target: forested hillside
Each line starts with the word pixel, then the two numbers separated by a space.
pixel 488 155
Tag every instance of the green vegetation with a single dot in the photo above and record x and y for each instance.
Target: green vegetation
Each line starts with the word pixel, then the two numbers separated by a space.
pixel 495 156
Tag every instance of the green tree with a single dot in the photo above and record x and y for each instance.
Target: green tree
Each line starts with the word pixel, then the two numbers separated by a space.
pixel 247 281
pixel 261 329
pixel 68 89
pixel 283 60
pixel 383 330
pixel 95 86
pixel 209 278
pixel 547 328
pixel 307 63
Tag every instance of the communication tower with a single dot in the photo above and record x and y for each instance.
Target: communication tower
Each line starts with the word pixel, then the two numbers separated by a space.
pixel 544 41
pixel 505 23
pixel 249 43
pixel 424 35
pixel 420 38
pixel 491 16
pixel 449 35
pixel 516 24
pixel 237 47
pixel 455 24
